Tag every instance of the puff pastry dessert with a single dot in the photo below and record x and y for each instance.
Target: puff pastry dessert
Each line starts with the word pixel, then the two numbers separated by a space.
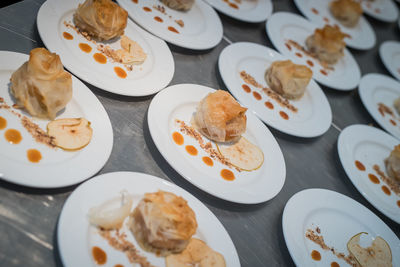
pixel 288 79
pixel 392 164
pixel 101 19
pixel 163 223
pixel 347 12
pixel 327 44
pixel 183 5
pixel 220 117
pixel 41 85
pixel 396 105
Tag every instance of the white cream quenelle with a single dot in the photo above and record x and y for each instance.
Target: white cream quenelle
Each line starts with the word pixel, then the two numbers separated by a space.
pixel 41 85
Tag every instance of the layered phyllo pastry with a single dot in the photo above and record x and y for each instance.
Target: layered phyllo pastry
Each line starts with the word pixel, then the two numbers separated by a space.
pixel 182 5
pixel 347 12
pixel 392 164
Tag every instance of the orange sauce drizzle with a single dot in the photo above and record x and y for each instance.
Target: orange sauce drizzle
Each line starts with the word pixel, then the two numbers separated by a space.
pixel 269 105
pixel 172 29
pixel 99 255
pixel 284 115
pixel 13 136
pixel 386 190
pixel 3 123
pixel 68 36
pixel 335 264
pixel 100 58
pixel 359 165
pixel 310 63
pixel 178 138
pixel 33 155
pixel 324 72
pixel 373 178
pixel 147 9
pixel 208 161
pixel 257 95
pixel 314 11
pixel 191 150
pixel 120 72
pixel 135 1
pixel 298 54
pixel 246 88
pixel 233 5
pixel 227 175
pixel 315 255
pixel 85 47
pixel 157 18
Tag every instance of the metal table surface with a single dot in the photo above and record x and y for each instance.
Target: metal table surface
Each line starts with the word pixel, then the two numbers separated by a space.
pixel 28 217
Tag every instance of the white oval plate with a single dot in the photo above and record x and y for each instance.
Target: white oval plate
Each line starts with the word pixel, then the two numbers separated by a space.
pixel 389 52
pixel 283 26
pixel 146 79
pixel 362 35
pixel 180 102
pixel 384 10
pixel 76 236
pixel 339 218
pixel 202 26
pixel 377 88
pixel 248 11
pixel 314 114
pixel 371 147
pixel 57 168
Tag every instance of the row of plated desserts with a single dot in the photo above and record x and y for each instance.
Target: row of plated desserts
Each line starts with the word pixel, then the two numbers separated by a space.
pixel 162 222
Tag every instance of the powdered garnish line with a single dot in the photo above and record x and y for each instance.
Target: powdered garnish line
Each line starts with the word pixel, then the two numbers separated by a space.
pixel 247 78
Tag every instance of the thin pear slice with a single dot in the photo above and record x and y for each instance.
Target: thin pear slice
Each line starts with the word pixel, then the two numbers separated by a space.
pixel 376 255
pixel 70 133
pixel 242 154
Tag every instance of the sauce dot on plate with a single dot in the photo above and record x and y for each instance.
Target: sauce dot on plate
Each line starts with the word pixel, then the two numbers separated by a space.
pixel 178 138
pixel 99 255
pixel 269 105
pixel 147 9
pixel 208 161
pixel 33 155
pixel 373 178
pixel 359 165
pixel 100 58
pixel 257 95
pixel 13 136
pixel 398 203
pixel 120 72
pixel 386 190
pixel 172 29
pixel 335 264
pixel 324 72
pixel 3 123
pixel 284 115
pixel 191 150
pixel 233 5
pixel 68 36
pixel 227 175
pixel 315 255
pixel 246 88
pixel 157 18
pixel 85 47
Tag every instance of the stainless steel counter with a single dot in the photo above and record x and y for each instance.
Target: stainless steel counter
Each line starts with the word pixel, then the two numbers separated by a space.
pixel 28 217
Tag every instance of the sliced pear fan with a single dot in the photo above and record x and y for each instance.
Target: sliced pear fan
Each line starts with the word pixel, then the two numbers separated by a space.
pixel 70 134
pixel 376 255
pixel 242 154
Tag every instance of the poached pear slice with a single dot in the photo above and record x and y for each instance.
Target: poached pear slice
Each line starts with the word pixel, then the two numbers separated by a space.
pixel 378 254
pixel 70 133
pixel 242 154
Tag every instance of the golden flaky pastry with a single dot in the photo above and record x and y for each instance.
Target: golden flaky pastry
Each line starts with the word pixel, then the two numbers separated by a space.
pixel 197 253
pixel 163 223
pixel 220 117
pixel 393 164
pixel 327 43
pixel 347 12
pixel 101 19
pixel 288 79
pixel 41 85
pixel 183 5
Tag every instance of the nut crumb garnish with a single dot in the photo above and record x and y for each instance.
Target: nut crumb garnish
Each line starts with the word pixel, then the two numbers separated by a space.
pixel 319 240
pixel 207 147
pixel 118 241
pixel 247 78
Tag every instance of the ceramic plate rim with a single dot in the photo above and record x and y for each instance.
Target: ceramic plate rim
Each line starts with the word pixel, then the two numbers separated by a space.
pixel 386 47
pixel 123 180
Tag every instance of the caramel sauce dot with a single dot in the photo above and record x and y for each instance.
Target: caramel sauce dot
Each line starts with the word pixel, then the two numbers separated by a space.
pixel 233 5
pixel 246 88
pixel 398 203
pixel 359 165
pixel 100 58
pixel 208 161
pixel 227 175
pixel 324 72
pixel 85 47
pixel 257 95
pixel 335 264
pixel 99 255
pixel 386 190
pixel 135 1
pixel 3 123
pixel 68 36
pixel 33 155
pixel 191 150
pixel 147 9
pixel 13 136
pixel 178 138
pixel 298 54
pixel 269 105
pixel 315 255
pixel 172 29
pixel 120 72
pixel 157 18
pixel 284 115
pixel 373 178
